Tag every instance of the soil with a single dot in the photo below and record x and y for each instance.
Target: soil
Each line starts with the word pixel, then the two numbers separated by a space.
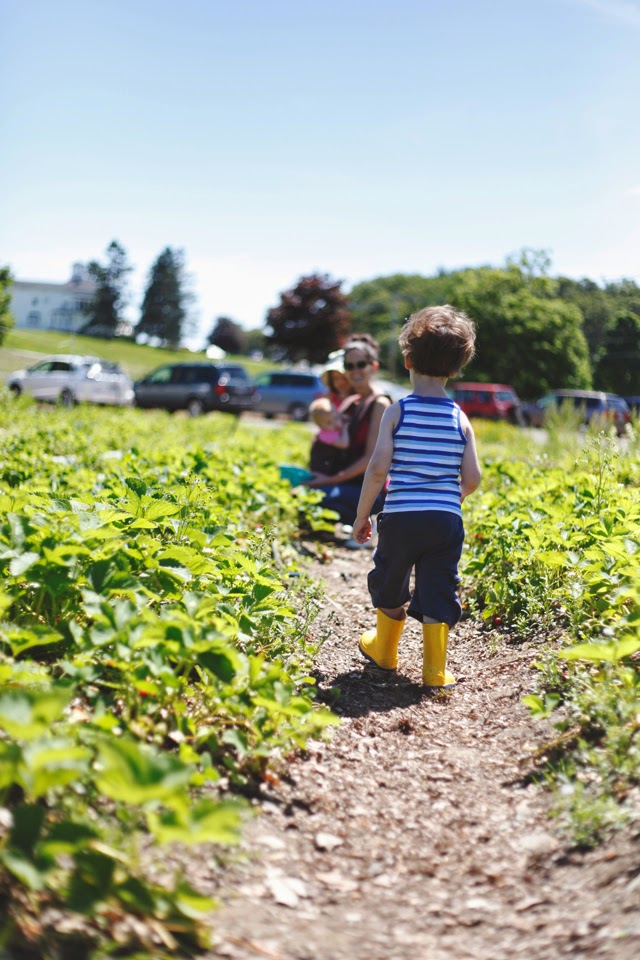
pixel 415 833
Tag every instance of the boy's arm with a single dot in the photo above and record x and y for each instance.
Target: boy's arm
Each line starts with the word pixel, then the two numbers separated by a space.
pixel 376 473
pixel 470 472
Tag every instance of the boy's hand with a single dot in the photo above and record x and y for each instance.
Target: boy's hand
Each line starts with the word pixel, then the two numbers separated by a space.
pixel 362 529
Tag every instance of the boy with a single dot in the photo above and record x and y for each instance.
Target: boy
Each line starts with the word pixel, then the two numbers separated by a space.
pixel 427 446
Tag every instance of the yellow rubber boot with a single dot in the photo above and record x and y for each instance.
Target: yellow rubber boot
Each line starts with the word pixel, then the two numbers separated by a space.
pixel 434 657
pixel 381 645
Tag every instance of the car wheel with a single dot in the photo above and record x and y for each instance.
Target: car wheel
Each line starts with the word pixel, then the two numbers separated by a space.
pixel 15 389
pixel 195 407
pixel 269 416
pixel 298 411
pixel 67 399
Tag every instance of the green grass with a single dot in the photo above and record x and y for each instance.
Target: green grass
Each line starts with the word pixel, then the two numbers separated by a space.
pixel 24 347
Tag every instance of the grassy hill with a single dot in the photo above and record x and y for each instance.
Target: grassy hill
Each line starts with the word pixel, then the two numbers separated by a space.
pixel 23 347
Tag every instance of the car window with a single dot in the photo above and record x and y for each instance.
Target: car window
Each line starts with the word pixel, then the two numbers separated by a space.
pixel 238 373
pixel 162 375
pixel 483 396
pixel 264 380
pixel 43 367
pixel 208 375
pixel 108 367
pixel 61 366
pixel 182 374
pixel 504 395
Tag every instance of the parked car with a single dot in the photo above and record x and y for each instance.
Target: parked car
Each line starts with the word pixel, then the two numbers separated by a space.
pixel 634 405
pixel 493 401
pixel 608 407
pixel 70 379
pixel 288 391
pixel 197 388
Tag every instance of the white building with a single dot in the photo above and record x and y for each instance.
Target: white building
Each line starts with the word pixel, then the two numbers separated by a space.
pixel 53 306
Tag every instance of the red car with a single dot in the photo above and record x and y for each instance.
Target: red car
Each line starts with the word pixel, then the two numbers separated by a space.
pixel 493 401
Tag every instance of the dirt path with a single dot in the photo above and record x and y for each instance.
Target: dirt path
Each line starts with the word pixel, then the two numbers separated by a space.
pixel 412 835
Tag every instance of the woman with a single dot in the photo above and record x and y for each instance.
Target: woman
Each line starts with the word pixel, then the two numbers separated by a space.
pixel 364 410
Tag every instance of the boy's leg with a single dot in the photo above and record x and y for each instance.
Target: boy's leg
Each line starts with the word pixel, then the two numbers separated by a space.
pixel 435 638
pixel 435 600
pixel 380 645
pixel 436 582
pixel 389 590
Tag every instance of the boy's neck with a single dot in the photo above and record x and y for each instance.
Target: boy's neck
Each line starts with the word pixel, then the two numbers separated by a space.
pixel 426 386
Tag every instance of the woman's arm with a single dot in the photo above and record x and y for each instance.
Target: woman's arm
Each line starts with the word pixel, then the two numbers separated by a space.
pixel 470 472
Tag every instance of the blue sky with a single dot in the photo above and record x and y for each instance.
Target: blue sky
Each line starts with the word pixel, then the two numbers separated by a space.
pixel 359 138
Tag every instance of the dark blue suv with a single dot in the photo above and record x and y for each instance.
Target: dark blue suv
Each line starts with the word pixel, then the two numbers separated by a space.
pixel 197 388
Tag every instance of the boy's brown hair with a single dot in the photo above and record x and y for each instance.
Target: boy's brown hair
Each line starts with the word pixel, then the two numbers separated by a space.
pixel 438 341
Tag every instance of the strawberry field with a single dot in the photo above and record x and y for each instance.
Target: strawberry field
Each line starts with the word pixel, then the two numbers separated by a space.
pixel 155 649
pixel 554 558
pixel 153 653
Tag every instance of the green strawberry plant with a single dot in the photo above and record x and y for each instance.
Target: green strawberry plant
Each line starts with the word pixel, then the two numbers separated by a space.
pixel 553 544
pixel 153 659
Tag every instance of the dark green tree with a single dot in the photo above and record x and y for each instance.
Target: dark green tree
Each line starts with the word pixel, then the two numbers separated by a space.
pixel 6 317
pixel 535 343
pixel 618 369
pixel 255 341
pixel 526 335
pixel 164 306
pixel 228 335
pixel 382 305
pixel 597 307
pixel 311 321
pixel 106 312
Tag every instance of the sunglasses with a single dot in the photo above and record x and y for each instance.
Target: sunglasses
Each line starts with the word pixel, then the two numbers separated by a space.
pixel 359 365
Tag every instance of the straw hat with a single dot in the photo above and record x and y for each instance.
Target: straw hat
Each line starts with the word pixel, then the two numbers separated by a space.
pixel 335 364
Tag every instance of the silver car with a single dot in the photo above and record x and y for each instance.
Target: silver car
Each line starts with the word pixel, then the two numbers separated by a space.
pixel 70 379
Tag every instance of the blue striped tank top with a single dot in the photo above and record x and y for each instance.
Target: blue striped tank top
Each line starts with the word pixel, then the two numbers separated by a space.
pixel 428 444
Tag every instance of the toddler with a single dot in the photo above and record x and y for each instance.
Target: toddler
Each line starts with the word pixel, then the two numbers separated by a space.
pixel 426 445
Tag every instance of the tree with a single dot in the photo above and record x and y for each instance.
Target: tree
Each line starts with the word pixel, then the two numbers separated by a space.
pixel 164 306
pixel 311 321
pixel 255 341
pixel 106 312
pixel 382 305
pixel 597 308
pixel 618 370
pixel 227 335
pixel 533 343
pixel 6 318
pixel 526 335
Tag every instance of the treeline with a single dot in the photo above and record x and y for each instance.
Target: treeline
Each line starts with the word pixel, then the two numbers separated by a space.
pixel 535 332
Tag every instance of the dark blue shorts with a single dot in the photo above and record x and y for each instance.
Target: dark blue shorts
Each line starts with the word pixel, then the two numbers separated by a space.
pixel 429 542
